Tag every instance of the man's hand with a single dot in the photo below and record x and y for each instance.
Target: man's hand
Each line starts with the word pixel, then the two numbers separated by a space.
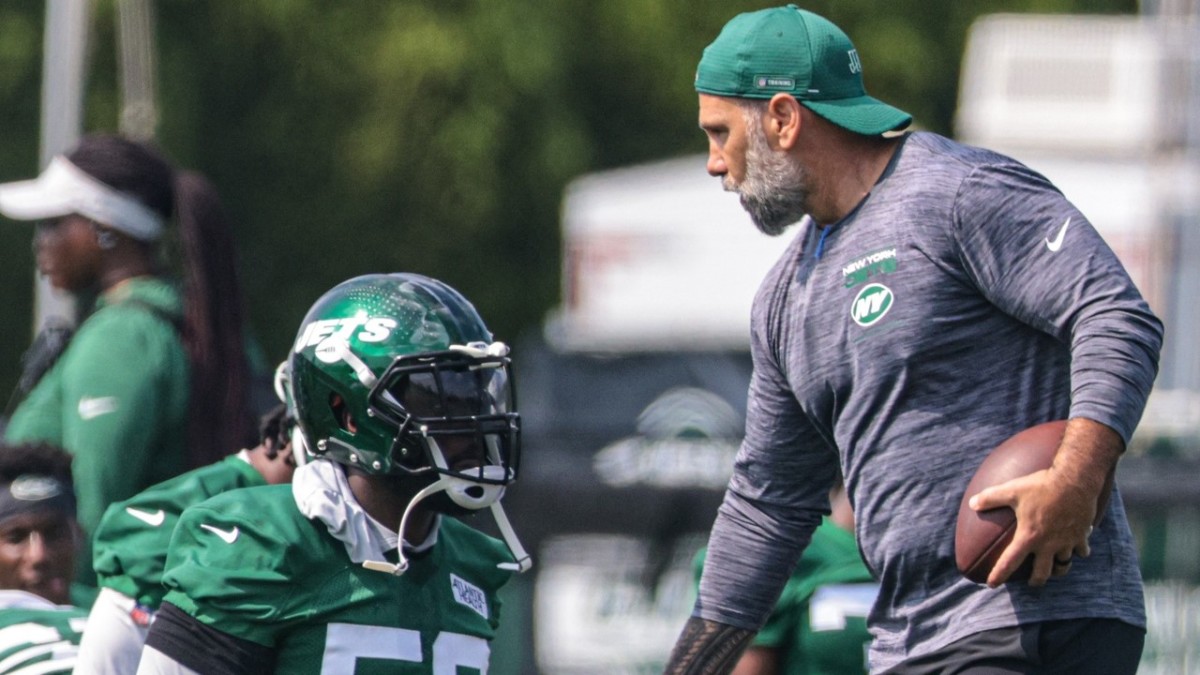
pixel 1055 508
pixel 707 648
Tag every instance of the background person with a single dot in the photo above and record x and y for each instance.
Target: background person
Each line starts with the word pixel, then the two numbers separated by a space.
pixel 405 401
pixel 937 299
pixel 131 544
pixel 39 539
pixel 819 624
pixel 155 379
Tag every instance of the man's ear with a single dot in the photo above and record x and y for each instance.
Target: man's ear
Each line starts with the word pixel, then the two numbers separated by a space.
pixel 784 120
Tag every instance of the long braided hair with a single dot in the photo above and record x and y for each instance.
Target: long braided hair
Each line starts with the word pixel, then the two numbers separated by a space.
pixel 212 333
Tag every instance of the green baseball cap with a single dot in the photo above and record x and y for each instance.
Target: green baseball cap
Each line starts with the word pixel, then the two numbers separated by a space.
pixel 793 51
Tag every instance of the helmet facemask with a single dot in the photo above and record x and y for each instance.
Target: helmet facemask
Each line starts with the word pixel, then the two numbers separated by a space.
pixel 453 412
pixel 455 420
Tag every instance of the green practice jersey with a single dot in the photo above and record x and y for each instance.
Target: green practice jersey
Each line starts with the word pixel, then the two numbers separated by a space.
pixel 117 400
pixel 249 564
pixel 819 624
pixel 37 636
pixel 131 542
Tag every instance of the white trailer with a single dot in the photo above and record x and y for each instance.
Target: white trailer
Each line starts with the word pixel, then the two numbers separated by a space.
pixel 658 257
pixel 1105 107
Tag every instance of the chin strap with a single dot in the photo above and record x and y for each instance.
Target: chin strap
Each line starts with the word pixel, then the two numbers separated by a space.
pixel 468 494
pixel 523 561
pixel 457 487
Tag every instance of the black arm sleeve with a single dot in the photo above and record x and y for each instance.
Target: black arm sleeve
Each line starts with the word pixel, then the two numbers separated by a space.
pixel 707 648
pixel 205 649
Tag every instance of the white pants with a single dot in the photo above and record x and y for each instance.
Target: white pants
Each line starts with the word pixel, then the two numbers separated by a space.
pixel 112 642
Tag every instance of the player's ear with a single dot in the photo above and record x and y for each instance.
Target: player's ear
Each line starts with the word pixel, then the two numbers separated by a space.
pixel 341 412
pixel 784 119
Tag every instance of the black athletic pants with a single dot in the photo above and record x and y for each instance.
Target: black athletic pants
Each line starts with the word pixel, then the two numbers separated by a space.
pixel 1074 646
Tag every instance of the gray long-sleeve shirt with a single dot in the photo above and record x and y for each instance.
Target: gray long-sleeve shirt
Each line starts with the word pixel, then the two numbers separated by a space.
pixel 963 300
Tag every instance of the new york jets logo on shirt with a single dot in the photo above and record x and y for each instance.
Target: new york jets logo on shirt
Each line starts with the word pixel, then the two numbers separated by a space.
pixel 871 304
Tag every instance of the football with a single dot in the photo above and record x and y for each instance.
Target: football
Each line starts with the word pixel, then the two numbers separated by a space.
pixel 980 537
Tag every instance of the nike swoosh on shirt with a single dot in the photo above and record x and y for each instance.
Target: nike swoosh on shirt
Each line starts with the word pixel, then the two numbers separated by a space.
pixel 94 407
pixel 227 536
pixel 1058 240
pixel 151 518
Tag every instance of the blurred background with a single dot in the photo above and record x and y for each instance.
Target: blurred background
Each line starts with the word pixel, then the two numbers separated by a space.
pixel 542 158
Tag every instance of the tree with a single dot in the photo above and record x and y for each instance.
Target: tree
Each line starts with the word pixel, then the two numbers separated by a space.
pixel 434 137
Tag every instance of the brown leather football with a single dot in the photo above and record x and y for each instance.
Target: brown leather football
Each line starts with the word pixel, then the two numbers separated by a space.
pixel 981 536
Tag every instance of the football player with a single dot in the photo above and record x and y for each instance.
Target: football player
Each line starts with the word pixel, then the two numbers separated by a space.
pixel 39 539
pixel 130 545
pixel 406 405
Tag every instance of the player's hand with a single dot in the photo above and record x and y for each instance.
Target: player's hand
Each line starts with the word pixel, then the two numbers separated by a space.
pixel 1054 520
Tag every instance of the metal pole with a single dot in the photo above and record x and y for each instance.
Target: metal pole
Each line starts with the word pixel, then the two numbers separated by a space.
pixel 62 111
pixel 135 37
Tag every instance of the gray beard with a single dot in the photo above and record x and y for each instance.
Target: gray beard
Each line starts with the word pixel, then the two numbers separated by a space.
pixel 775 190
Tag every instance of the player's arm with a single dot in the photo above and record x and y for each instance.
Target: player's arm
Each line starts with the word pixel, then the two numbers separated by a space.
pixel 107 412
pixel 707 648
pixel 179 644
pixel 1037 258
pixel 226 578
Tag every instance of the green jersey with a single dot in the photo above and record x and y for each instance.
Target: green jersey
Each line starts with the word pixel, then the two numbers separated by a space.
pixel 131 542
pixel 819 623
pixel 116 399
pixel 249 564
pixel 38 636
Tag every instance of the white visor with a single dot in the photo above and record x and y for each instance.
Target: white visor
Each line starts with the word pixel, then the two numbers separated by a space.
pixel 64 188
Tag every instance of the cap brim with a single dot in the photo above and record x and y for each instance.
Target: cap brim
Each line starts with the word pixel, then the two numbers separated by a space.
pixel 862 114
pixel 33 200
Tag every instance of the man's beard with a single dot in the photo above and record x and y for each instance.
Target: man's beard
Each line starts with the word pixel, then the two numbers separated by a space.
pixel 775 190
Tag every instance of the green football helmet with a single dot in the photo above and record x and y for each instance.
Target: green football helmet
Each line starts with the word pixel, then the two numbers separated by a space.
pixel 412 364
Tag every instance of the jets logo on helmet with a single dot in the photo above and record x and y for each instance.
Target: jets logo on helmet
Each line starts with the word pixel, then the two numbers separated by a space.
pixel 372 330
pixel 410 361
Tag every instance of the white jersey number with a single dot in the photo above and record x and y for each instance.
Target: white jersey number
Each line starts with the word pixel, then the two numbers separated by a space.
pixel 345 643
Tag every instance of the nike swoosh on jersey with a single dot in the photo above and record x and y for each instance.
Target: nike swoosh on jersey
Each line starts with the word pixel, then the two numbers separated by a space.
pixel 90 408
pixel 1057 242
pixel 227 536
pixel 151 518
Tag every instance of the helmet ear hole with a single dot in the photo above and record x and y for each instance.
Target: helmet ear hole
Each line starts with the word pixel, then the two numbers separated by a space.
pixel 341 413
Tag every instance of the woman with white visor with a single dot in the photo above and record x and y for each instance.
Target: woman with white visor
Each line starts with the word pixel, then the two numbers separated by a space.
pixel 154 379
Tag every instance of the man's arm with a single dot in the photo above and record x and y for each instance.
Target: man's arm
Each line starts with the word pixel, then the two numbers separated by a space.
pixel 1076 291
pixel 758 661
pixel 707 648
